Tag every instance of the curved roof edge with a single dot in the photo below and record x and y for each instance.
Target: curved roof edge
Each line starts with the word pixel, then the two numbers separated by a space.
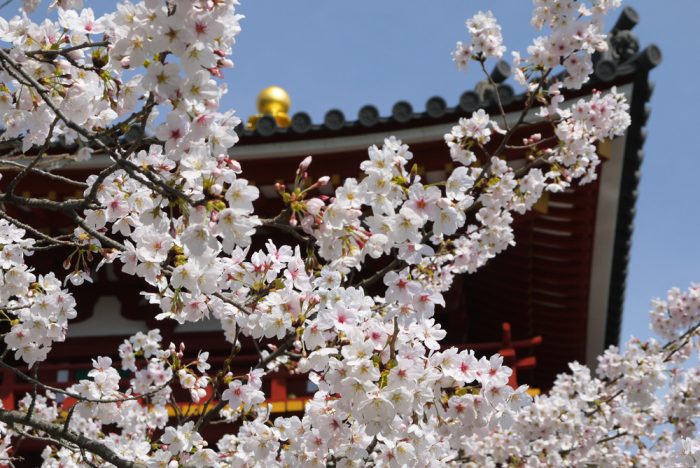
pixel 633 157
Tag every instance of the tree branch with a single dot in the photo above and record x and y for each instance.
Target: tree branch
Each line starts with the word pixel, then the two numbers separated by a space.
pixel 47 174
pixel 57 432
pixel 65 50
pixel 206 418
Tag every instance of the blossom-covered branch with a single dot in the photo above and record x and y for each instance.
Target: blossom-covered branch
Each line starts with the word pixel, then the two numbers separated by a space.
pixel 141 87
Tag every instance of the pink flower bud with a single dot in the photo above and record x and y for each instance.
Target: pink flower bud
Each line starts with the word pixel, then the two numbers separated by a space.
pixel 322 181
pixel 235 166
pixel 304 165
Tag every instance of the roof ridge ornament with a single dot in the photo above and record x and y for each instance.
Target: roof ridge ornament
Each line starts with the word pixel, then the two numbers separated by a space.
pixel 274 102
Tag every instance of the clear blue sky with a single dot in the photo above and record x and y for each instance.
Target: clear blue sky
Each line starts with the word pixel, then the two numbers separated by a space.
pixel 336 54
pixel 333 54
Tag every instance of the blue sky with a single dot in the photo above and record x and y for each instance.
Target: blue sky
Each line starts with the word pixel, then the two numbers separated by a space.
pixel 332 54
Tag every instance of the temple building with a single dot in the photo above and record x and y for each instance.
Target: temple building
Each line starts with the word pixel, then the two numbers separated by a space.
pixel 555 297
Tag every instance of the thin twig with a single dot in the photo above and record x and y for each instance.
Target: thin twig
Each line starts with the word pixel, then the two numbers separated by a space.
pixel 65 50
pixel 47 174
pixel 496 93
pixel 36 382
pixel 36 232
pixel 380 274
pixel 262 364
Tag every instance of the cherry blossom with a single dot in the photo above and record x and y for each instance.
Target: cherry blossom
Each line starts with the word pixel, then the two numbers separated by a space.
pixel 141 87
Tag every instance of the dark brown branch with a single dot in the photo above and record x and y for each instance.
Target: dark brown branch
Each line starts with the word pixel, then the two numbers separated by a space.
pixel 51 240
pixel 206 418
pixel 97 235
pixel 294 231
pixel 233 303
pixel 32 404
pixel 153 181
pixel 47 174
pixel 56 431
pixel 680 342
pixel 91 197
pixel 380 274
pixel 528 105
pixel 41 203
pixel 495 92
pixel 65 50
pixel 220 375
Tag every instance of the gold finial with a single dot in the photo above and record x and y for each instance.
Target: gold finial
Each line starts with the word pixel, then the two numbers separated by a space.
pixel 273 101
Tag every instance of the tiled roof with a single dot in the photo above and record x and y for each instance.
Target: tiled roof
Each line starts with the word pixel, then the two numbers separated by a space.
pixel 625 62
pixel 623 59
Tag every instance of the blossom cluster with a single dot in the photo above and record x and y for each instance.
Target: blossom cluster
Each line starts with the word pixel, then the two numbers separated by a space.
pixel 639 408
pixel 173 209
pixel 582 125
pixel 486 40
pixel 617 415
pixel 37 308
pixel 575 34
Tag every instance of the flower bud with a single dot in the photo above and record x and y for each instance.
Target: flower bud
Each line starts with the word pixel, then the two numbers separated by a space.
pixel 216 189
pixel 304 165
pixel 235 166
